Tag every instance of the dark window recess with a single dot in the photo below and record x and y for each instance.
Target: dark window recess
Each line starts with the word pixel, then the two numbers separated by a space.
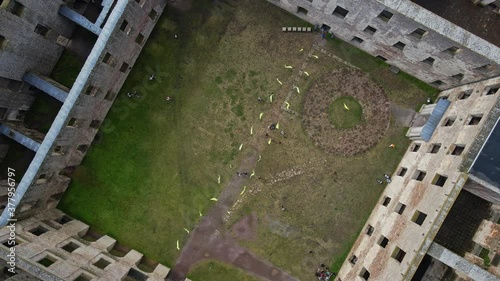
pixel 435 148
pixel 385 15
pixel 381 58
pixel 84 277
pixel 63 220
pixel 357 40
pixel 402 172
pixel 449 121
pixel 437 83
pixel 109 96
pixel 124 67
pixel 139 39
pixel 386 201
pixel 124 25
pixel 3 42
pixel 353 259
pixel 485 68
pixel 415 147
pixel 429 61
pixel 18 9
pixel 465 95
pixel 340 12
pixel 398 254
pixel 474 119
pixel 439 180
pixel 90 90
pixel 72 122
pixel 95 124
pixel 39 230
pixel 301 11
pixel 42 30
pixel 399 45
pixel 102 263
pixel 492 91
pixel 107 58
pixel 382 241
pixel 419 217
pixel 457 149
pixel 369 230
pixel 459 77
pixel 419 33
pixel 400 208
pixel 47 261
pixel 70 247
pixel 452 50
pixel 370 30
pixel 82 148
pixel 419 175
pixel 153 14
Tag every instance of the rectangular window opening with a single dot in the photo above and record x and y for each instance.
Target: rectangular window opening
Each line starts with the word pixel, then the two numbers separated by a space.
pixel 353 259
pixel 39 230
pixel 84 277
pixel 63 220
pixel 381 58
pixel 459 77
pixel 474 119
pixel 340 12
pixel 429 61
pixel 419 217
pixel 153 14
pixel 107 58
pixel 435 148
pixel 437 83
pixel 18 9
pixel 418 33
pixel 464 95
pixel 70 247
pixel 400 208
pixel 402 172
pixel 457 149
pixel 124 25
pixel 47 261
pixel 398 254
pixel 419 175
pixel 301 11
pixel 484 69
pixel 449 121
pixel 90 90
pixel 452 50
pixel 415 147
pixel 102 263
pixel 382 241
pixel 491 90
pixel 82 148
pixel 58 150
pixel 386 201
pixel 399 45
pixel 370 30
pixel 95 124
pixel 72 122
pixel 109 96
pixel 139 39
pixel 369 230
pixel 42 30
pixel 385 15
pixel 124 67
pixel 364 274
pixel 439 180
pixel 357 40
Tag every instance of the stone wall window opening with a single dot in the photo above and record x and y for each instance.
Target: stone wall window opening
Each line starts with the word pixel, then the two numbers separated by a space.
pixel 369 230
pixel 386 201
pixel 42 178
pixel 457 149
pixel 82 148
pixel 370 30
pixel 91 91
pixel 58 150
pixel 400 208
pixel 357 40
pixel 452 50
pixel 383 241
pixel 484 68
pixel 364 274
pixel 107 58
pixel 399 45
pixel 84 277
pixel 385 15
pixel 353 259
pixel 402 171
pixel 47 260
pixel 419 175
pixel 139 39
pixel 70 247
pixel 42 30
pixel 38 230
pixel 491 90
pixel 153 14
pixel 126 27
pixel 448 121
pixel 434 148
pixel 18 9
pixel 3 42
pixel 429 61
pixel 398 254
pixel 124 67
pixel 474 119
pixel 419 217
pixel 301 11
pixel 102 263
pixel 381 58
pixel 437 83
pixel 464 95
pixel 110 96
pixel 140 2
pixel 340 12
pixel 458 77
pixel 418 33
pixel 439 180
pixel 95 124
pixel 62 220
pixel 73 122
pixel 415 147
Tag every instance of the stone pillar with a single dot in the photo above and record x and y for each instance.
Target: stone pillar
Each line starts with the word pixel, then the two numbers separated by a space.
pixel 79 19
pixel 52 88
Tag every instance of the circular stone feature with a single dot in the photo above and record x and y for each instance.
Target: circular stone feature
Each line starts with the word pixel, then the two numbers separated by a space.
pixel 333 88
pixel 345 112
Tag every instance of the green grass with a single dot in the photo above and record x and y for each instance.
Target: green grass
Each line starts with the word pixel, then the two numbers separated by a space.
pixel 485 256
pixel 345 118
pixel 157 162
pixel 66 69
pixel 211 270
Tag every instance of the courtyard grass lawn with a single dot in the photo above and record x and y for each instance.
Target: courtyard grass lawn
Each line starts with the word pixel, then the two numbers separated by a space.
pixel 155 165
pixel 345 112
pixel 220 272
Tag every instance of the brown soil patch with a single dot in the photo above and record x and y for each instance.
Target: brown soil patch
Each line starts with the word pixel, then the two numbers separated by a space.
pixel 347 142
pixel 245 228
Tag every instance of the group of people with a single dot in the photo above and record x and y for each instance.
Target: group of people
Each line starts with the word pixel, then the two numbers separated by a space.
pixel 323 273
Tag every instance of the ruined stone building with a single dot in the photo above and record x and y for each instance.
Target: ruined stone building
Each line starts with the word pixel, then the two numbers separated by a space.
pixel 418 230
